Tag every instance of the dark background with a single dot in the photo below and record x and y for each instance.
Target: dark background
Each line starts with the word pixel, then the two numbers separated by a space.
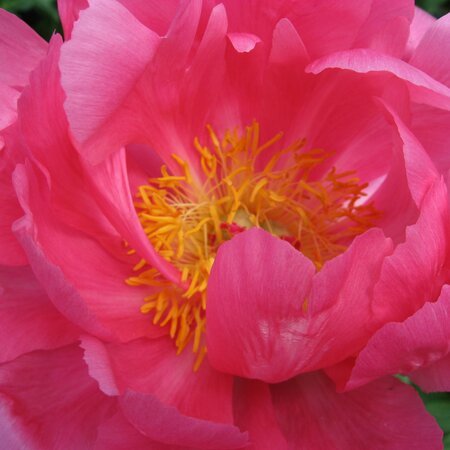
pixel 43 17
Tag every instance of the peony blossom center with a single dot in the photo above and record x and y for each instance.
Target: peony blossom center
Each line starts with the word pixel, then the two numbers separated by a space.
pixel 243 183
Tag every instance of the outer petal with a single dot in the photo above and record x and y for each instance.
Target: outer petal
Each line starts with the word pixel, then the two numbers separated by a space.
pixel 386 414
pixel 84 280
pixel 57 403
pixel 118 434
pixel 21 49
pixel 163 423
pixel 423 88
pixel 434 44
pixel 435 377
pixel 415 272
pixel 403 347
pixel 153 367
pixel 138 92
pixel 256 290
pixel 419 26
pixel 254 412
pixel 69 11
pixel 28 320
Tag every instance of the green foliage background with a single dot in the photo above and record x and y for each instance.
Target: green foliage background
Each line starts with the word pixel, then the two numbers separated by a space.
pixel 42 15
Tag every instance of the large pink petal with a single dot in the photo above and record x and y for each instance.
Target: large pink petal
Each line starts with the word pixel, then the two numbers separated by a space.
pixel 423 88
pixel 8 110
pixel 165 424
pixel 85 281
pixel 69 10
pixel 428 54
pixel 21 49
pixel 260 306
pixel 59 405
pixel 415 272
pixel 153 367
pixel 28 320
pixel 254 412
pixel 386 414
pixel 256 290
pixel 403 347
pixel 107 111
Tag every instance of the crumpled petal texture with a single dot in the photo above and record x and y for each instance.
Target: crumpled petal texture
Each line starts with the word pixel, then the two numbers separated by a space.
pixel 299 355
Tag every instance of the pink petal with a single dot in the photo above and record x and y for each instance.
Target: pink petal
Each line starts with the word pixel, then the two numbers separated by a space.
pixel 415 272
pixel 255 298
pixel 403 347
pixel 153 367
pixel 84 280
pixel 53 396
pixel 118 434
pixel 254 412
pixel 430 126
pixel 154 14
pixel 420 170
pixel 8 102
pixel 419 26
pixel 165 424
pixel 106 112
pixel 254 285
pixel 21 49
pixel 435 377
pixel 103 26
pixel 387 26
pixel 386 414
pixel 428 54
pixel 28 320
pixel 11 253
pixel 423 88
pixel 69 10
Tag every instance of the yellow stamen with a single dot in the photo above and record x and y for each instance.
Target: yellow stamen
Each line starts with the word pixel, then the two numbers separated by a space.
pixel 187 220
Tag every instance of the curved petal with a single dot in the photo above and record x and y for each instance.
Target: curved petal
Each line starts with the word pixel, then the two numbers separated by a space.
pixel 59 404
pixel 278 326
pixel 415 272
pixel 21 49
pixel 153 367
pixel 403 347
pixel 423 88
pixel 254 412
pixel 139 92
pixel 85 281
pixel 256 290
pixel 165 424
pixel 386 28
pixel 69 11
pixel 385 414
pixel 428 54
pixel 430 126
pixel 419 26
pixel 28 320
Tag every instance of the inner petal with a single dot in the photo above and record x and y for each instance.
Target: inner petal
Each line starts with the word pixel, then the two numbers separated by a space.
pixel 244 183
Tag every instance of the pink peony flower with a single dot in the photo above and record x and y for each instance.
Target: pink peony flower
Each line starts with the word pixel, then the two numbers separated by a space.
pixel 224 225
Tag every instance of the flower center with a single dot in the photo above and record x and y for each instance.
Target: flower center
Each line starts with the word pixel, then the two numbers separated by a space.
pixel 244 184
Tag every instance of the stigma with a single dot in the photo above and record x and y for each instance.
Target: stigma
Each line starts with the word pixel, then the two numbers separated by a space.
pixel 239 183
